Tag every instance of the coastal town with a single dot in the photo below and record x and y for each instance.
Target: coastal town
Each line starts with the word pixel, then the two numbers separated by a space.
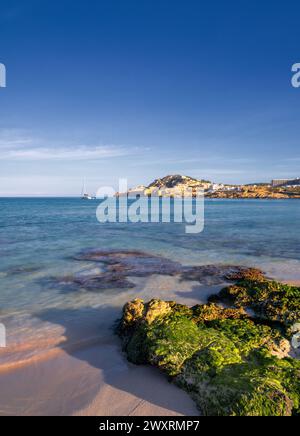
pixel 177 185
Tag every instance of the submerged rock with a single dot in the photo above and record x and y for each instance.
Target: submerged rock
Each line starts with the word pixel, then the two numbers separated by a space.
pixel 18 270
pixel 215 274
pixel 140 264
pixel 134 263
pixel 228 362
pixel 96 282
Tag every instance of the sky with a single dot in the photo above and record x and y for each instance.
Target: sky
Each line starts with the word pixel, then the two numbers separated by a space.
pixel 113 89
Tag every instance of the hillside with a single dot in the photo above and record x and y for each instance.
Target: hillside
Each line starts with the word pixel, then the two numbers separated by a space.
pixel 259 192
pixel 177 185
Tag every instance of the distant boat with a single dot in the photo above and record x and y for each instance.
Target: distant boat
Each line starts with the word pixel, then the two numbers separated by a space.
pixel 85 195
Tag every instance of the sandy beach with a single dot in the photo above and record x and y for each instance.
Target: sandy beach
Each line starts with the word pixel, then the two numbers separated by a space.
pixel 78 373
pixel 94 381
pixel 73 363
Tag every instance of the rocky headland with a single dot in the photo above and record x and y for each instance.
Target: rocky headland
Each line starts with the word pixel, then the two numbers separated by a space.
pixel 175 186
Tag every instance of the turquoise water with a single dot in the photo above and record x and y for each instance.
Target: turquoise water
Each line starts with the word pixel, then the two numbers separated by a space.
pixel 40 237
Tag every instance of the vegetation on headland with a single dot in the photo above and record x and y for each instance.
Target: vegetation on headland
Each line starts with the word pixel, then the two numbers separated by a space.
pixel 257 192
pixel 231 364
pixel 177 185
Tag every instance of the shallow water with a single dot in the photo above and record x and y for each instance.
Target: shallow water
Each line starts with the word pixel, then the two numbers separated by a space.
pixel 39 239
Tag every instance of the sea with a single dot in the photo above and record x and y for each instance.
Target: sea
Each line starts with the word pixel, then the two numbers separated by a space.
pixel 42 306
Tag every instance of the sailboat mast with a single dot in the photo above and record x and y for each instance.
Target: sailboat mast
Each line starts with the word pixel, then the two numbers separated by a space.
pixel 83 188
pixel 85 195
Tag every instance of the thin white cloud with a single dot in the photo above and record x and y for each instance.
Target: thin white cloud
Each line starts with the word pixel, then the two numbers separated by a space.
pixel 60 153
pixel 13 138
pixel 17 146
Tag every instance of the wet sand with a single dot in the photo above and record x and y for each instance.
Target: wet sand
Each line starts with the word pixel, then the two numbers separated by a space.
pixel 94 381
pixel 78 373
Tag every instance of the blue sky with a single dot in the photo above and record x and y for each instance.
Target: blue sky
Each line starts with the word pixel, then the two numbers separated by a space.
pixel 141 89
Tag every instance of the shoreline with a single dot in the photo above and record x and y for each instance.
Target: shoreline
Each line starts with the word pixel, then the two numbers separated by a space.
pixel 97 379
pixel 90 379
pixel 86 378
pixel 64 373
pixel 76 386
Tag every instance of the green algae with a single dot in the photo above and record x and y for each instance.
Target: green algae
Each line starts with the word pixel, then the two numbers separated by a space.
pixel 166 343
pixel 259 385
pixel 270 300
pixel 247 336
pixel 223 359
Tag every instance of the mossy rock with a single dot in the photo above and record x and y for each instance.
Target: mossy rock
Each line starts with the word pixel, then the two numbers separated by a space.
pixel 166 344
pixel 220 356
pixel 203 313
pixel 259 386
pixel 270 300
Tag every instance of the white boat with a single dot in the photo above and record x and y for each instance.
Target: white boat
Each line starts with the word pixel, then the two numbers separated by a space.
pixel 85 195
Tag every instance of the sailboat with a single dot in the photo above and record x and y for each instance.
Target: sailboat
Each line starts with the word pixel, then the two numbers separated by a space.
pixel 85 195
